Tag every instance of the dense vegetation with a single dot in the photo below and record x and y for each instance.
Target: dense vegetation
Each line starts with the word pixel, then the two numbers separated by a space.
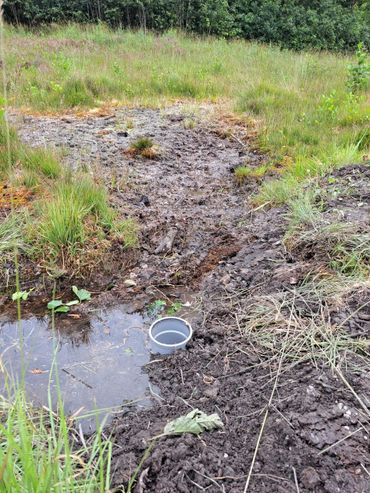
pixel 323 24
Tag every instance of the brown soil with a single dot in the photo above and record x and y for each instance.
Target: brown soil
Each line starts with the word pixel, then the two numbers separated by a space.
pixel 199 235
pixel 316 436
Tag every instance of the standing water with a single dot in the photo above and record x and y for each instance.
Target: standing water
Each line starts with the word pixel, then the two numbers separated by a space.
pixel 99 360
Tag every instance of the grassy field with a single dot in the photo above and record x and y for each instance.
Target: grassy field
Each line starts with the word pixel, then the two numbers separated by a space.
pixel 299 102
pixel 307 121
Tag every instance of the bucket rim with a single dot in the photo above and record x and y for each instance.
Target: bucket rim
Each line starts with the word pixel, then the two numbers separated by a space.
pixel 178 344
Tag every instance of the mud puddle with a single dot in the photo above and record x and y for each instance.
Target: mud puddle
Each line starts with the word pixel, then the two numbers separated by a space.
pixel 99 360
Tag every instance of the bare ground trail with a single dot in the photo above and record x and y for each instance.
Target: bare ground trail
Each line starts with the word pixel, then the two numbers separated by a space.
pixel 200 236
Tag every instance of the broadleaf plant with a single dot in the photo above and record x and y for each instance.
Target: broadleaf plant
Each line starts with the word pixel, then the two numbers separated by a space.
pixel 21 295
pixel 82 294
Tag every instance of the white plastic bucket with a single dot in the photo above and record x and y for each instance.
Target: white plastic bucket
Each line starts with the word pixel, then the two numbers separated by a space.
pixel 169 334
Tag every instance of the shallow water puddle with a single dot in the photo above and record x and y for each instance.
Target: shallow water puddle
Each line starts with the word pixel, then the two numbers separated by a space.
pixel 99 359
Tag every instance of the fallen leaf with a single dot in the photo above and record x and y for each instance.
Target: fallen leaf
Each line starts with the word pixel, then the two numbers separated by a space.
pixel 194 422
pixel 38 371
pixel 129 283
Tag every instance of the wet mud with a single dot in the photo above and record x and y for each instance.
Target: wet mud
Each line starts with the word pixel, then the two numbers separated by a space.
pixel 201 237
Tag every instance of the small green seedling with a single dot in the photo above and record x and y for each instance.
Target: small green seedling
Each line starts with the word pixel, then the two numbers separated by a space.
pixel 156 307
pixel 82 294
pixel 21 295
pixel 59 307
pixel 174 308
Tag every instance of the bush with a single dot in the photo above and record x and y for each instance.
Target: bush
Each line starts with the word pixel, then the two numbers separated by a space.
pixel 297 24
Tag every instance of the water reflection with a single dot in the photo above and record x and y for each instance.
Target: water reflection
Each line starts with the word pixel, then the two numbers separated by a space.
pixel 99 358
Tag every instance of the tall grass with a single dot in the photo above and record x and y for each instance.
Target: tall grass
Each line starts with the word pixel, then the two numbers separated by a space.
pixel 37 455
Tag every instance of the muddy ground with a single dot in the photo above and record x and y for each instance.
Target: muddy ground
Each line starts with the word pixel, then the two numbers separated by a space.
pixel 201 238
pixel 184 201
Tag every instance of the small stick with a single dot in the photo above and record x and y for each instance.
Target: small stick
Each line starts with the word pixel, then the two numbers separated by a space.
pixel 295 479
pixel 347 384
pixel 207 477
pixel 339 441
pixel 238 140
pixel 76 378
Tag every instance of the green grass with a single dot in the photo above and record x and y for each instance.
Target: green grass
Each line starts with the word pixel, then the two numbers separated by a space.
pixel 61 224
pixel 9 149
pixel 242 173
pixel 11 231
pixel 42 161
pixel 305 117
pixel 77 212
pixel 69 214
pixel 303 211
pixel 37 455
pixel 142 143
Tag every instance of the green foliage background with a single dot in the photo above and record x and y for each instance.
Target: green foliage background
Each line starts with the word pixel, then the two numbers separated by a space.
pixel 297 24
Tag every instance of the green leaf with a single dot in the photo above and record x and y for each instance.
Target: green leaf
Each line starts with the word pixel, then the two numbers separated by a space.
pixel 62 309
pixel 82 294
pixel 54 304
pixel 73 302
pixel 194 422
pixel 174 308
pixel 156 307
pixel 21 295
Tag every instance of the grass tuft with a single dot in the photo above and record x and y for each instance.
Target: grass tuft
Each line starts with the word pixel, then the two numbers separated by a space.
pixel 36 454
pixel 243 172
pixel 42 161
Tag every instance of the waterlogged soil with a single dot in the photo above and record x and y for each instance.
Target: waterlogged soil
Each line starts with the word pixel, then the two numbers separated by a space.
pixel 184 200
pixel 201 239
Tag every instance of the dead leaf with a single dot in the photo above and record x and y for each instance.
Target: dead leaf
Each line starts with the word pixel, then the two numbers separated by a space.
pixel 38 371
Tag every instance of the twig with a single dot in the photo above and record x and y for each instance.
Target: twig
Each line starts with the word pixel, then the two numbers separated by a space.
pixel 339 441
pixel 196 484
pixel 347 384
pixel 238 140
pixel 364 468
pixel 295 480
pixel 154 394
pixel 207 477
pixel 259 207
pixel 77 378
